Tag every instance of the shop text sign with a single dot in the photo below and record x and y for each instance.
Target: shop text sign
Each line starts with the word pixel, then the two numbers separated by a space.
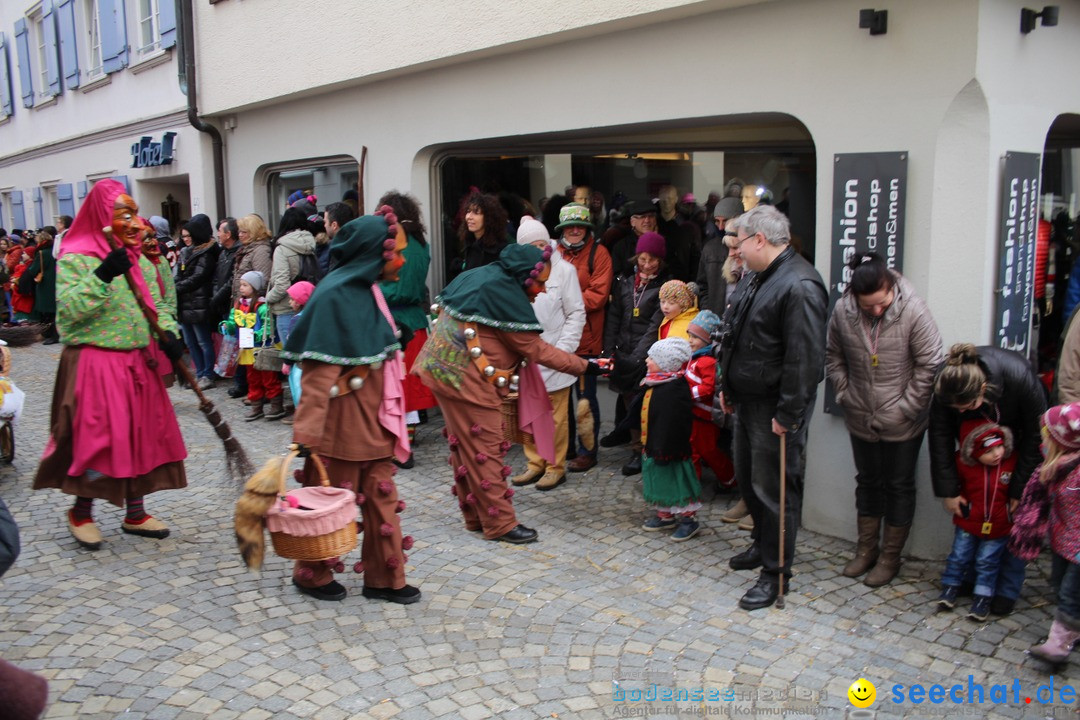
pixel 1016 263
pixel 147 153
pixel 869 200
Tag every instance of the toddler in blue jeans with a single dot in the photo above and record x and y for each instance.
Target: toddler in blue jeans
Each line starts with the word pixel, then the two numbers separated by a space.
pixel 985 463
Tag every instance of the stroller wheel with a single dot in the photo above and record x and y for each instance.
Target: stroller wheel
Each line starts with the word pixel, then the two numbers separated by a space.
pixel 7 442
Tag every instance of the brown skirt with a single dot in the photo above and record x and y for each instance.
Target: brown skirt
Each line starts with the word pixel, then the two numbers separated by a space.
pixel 52 471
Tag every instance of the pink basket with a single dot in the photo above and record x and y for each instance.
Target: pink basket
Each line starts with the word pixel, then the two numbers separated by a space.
pixel 320 511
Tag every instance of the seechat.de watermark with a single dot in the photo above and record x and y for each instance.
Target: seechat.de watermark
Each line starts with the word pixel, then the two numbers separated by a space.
pixel 1052 695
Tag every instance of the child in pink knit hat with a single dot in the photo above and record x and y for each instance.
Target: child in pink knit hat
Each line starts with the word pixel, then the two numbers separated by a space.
pixel 299 294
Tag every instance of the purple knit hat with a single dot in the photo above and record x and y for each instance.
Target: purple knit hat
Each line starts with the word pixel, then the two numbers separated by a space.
pixel 652 243
pixel 1063 424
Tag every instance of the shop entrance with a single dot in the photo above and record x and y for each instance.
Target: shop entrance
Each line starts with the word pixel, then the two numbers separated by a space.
pixel 1057 266
pixel 535 174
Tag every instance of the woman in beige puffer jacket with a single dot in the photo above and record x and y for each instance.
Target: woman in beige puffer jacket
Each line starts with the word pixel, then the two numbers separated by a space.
pixel 883 351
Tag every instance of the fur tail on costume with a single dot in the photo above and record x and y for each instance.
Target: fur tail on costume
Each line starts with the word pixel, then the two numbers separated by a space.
pixel 584 419
pixel 259 494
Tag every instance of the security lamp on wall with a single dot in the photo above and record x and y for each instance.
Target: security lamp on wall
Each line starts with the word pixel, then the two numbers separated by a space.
pixel 876 21
pixel 1048 16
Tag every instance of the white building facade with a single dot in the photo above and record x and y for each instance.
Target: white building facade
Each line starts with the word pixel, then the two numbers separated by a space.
pixel 89 89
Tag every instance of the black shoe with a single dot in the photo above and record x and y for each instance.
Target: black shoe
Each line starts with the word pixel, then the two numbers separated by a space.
pixel 51 341
pixel 235 392
pixel 763 594
pixel 407 465
pixel 748 559
pixel 634 466
pixel 519 536
pixel 403 596
pixel 967 589
pixel 614 439
pixel 332 590
pixel 1002 606
pixel 423 417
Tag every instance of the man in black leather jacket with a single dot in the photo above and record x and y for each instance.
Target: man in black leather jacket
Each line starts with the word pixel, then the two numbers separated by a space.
pixel 1011 396
pixel 772 361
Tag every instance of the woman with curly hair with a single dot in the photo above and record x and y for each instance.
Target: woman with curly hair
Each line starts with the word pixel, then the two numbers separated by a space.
pixel 482 236
pixel 407 297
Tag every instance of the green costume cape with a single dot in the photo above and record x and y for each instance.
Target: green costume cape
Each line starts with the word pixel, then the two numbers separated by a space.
pixel 341 324
pixel 494 294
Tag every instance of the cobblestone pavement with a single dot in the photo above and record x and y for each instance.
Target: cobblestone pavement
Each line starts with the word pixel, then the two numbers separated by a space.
pixel 179 629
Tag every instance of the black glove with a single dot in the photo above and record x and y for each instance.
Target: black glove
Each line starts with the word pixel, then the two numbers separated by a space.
pixel 593 368
pixel 173 348
pixel 114 265
pixel 406 336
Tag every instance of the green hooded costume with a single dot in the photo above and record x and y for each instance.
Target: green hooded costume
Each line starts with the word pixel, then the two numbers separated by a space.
pixel 341 324
pixel 493 295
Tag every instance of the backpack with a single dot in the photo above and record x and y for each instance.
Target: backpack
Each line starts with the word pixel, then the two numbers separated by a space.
pixel 309 270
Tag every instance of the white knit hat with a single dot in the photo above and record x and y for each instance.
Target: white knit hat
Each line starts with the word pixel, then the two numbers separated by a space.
pixel 531 230
pixel 670 354
pixel 255 279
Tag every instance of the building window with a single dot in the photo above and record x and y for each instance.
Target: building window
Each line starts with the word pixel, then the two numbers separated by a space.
pixel 42 61
pixel 93 30
pixel 51 210
pixel 149 26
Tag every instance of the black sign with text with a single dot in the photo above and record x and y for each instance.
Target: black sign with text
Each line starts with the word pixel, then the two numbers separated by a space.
pixel 869 202
pixel 1016 262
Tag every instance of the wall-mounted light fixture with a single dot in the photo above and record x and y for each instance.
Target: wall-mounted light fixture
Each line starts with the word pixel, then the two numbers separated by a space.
pixel 1049 17
pixel 876 21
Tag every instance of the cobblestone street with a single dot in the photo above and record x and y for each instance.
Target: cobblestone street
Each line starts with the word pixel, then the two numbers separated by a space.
pixel 179 629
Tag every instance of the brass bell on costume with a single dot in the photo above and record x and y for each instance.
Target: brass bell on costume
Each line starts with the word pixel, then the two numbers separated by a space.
pixel 515 379
pixel 355 383
pixel 500 381
pixel 470 333
pixel 475 352
pixel 334 391
pixel 489 371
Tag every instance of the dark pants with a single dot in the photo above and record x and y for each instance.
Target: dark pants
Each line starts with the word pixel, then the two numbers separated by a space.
pixel 585 387
pixel 757 467
pixel 1065 578
pixel 885 479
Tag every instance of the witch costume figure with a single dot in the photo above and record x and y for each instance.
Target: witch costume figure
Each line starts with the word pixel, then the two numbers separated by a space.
pixel 485 331
pixel 352 402
pixel 113 431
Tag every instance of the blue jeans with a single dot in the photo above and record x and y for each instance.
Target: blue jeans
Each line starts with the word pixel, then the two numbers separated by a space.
pixel 1010 579
pixel 584 387
pixel 986 554
pixel 1065 578
pixel 284 325
pixel 199 338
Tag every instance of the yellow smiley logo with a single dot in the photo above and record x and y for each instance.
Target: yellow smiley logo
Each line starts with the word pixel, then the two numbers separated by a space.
pixel 862 693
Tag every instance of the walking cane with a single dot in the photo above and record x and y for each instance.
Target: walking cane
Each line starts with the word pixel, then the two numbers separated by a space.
pixel 783 517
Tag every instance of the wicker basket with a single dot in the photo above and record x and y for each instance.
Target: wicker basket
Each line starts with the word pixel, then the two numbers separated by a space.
pixel 511 431
pixel 308 537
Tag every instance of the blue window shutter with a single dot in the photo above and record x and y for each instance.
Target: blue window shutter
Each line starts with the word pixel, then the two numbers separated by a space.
pixel 123 180
pixel 17 210
pixel 22 45
pixel 39 208
pixel 69 53
pixel 52 49
pixel 81 188
pixel 7 105
pixel 167 23
pixel 65 200
pixel 114 48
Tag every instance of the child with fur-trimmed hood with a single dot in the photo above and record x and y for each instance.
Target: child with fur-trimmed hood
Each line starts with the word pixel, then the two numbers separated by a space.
pixel 985 463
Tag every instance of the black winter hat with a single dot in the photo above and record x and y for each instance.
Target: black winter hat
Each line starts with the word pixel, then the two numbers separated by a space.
pixel 200 229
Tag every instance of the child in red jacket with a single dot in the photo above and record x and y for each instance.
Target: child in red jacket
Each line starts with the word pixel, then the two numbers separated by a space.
pixel 701 375
pixel 985 462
